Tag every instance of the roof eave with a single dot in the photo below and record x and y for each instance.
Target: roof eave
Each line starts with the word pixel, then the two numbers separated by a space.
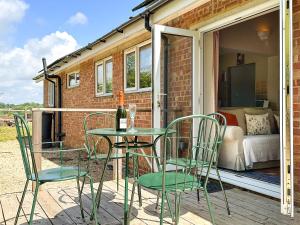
pixel 132 20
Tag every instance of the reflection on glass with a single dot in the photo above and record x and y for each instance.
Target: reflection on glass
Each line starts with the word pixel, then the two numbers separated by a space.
pixel 100 79
pixel 130 70
pixel 108 76
pixel 132 111
pixel 145 68
pixel 74 79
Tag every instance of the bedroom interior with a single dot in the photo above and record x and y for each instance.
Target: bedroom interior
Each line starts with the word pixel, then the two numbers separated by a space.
pixel 248 96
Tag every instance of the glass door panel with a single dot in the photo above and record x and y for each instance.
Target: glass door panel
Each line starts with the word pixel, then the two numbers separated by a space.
pixel 176 80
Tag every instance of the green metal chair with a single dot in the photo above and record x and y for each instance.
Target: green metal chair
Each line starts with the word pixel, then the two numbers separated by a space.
pixel 181 172
pixel 223 125
pixel 60 173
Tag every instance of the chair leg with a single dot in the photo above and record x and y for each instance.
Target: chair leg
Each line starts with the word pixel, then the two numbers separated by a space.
pixel 79 196
pixel 162 208
pixel 139 186
pixel 224 193
pixel 157 200
pixel 131 200
pixel 94 213
pixel 177 208
pixel 198 195
pixel 21 202
pixel 99 191
pixel 170 208
pixel 34 202
pixel 209 206
pixel 118 174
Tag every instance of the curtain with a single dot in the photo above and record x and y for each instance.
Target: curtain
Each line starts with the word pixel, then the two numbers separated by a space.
pixel 216 37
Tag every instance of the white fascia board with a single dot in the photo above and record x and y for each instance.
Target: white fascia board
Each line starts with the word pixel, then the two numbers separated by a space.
pixel 42 78
pixel 165 13
pixel 245 11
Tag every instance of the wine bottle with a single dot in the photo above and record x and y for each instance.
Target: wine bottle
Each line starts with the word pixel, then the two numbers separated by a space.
pixel 121 115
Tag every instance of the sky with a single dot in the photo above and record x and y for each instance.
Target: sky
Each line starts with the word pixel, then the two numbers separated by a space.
pixel 33 29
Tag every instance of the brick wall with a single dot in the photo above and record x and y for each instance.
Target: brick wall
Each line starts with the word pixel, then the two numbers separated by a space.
pixel 296 49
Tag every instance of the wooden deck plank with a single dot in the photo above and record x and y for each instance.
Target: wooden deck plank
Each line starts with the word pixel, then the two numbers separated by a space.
pixel 138 216
pixel 104 218
pixel 58 206
pixel 39 216
pixel 106 204
pixel 219 209
pixel 149 216
pixel 191 205
pixel 70 207
pixel 148 200
pixel 255 212
pixel 261 205
pixel 55 212
pixel 186 215
pixel 10 206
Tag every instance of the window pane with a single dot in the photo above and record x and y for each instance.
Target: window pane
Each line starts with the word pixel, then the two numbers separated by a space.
pixel 130 70
pixel 145 68
pixel 100 78
pixel 50 94
pixel 108 76
pixel 77 78
pixel 72 80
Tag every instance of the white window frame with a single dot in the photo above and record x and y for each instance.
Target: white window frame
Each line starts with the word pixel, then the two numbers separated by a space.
pixel 103 63
pixel 77 73
pixel 51 89
pixel 129 51
pixel 136 50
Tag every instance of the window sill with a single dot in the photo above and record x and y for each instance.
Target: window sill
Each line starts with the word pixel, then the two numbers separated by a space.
pixel 71 87
pixel 104 95
pixel 138 91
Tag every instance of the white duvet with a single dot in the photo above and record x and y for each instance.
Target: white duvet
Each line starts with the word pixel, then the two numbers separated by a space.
pixel 261 148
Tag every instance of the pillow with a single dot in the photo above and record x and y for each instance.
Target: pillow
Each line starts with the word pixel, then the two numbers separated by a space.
pixel 277 121
pixel 230 119
pixel 258 124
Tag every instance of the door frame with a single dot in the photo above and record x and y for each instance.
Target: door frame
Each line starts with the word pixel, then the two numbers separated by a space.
pixel 261 187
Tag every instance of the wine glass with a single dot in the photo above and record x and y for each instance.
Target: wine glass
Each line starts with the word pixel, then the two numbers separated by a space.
pixel 132 111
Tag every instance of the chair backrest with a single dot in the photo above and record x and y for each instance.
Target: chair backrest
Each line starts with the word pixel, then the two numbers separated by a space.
pixel 190 152
pixel 97 144
pixel 26 147
pixel 223 125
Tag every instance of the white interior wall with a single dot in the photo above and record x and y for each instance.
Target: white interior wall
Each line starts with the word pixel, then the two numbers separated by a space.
pixel 208 78
pixel 273 82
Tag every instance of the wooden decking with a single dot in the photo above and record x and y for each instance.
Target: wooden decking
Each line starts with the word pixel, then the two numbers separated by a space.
pixel 60 206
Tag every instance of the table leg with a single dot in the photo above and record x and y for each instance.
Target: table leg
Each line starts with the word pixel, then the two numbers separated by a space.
pixel 126 222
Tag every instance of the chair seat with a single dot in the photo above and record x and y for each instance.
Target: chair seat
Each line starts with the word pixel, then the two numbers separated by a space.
pixel 174 181
pixel 59 174
pixel 187 163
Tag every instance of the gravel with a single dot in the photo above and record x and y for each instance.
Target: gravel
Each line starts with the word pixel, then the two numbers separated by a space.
pixel 12 175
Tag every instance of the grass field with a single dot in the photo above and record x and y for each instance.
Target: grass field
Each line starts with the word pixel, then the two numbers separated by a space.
pixel 7 133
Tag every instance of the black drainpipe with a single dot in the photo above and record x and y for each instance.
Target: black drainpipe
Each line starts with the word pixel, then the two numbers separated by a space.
pixel 59 105
pixel 147 21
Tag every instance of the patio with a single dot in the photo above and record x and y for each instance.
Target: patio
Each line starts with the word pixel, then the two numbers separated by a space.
pixel 60 206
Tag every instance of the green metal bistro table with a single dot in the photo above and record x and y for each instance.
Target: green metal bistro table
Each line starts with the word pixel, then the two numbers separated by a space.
pixel 157 133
